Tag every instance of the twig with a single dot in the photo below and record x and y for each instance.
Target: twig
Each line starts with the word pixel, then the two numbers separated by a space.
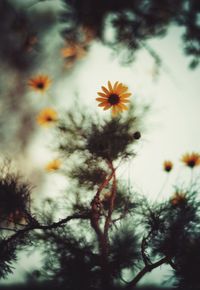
pixel 146 269
pixel 112 200
pixel 96 207
pixel 145 258
pixel 54 225
pixel 171 263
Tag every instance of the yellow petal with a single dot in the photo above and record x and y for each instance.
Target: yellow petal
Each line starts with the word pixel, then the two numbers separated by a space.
pixel 124 101
pixel 119 109
pixel 110 86
pixel 124 107
pixel 105 90
pixel 118 87
pixel 122 96
pixel 115 86
pixel 103 104
pixel 102 95
pixel 108 106
pixel 101 99
pixel 121 88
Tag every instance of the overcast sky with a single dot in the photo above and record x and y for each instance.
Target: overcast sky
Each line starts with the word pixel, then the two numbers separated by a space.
pixel 171 127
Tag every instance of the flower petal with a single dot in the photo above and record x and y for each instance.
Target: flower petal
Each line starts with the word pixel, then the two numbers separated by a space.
pixel 126 95
pixel 101 99
pixel 124 101
pixel 115 86
pixel 103 104
pixel 119 109
pixel 102 95
pixel 121 88
pixel 124 107
pixel 110 87
pixel 105 90
pixel 108 106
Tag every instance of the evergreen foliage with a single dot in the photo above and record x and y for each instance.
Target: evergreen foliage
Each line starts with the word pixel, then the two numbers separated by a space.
pixel 109 229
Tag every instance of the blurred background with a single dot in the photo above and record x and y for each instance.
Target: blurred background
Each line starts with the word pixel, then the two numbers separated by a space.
pixel 151 46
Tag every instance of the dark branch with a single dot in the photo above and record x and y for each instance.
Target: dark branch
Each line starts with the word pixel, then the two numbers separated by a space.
pixel 144 255
pixel 144 245
pixel 146 269
pixel 112 200
pixel 54 225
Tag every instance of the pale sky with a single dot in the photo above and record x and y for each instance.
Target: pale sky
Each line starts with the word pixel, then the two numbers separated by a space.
pixel 171 127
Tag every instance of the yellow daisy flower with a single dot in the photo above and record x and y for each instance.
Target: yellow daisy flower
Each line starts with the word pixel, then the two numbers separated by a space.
pixel 47 117
pixel 114 97
pixel 53 165
pixel 74 51
pixel 40 83
pixel 167 166
pixel 191 159
pixel 178 198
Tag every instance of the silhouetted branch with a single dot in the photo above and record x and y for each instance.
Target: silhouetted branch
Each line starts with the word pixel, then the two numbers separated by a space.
pixel 145 258
pixel 54 225
pixel 102 235
pixel 96 205
pixel 145 270
pixel 112 200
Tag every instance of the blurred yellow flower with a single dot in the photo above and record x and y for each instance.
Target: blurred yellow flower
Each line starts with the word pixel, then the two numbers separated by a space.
pixel 47 117
pixel 53 165
pixel 73 51
pixel 191 159
pixel 40 83
pixel 178 198
pixel 167 166
pixel 88 34
pixel 114 97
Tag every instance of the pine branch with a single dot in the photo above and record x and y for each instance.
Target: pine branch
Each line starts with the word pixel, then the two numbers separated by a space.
pixel 145 270
pixel 96 206
pixel 144 245
pixel 143 248
pixel 102 235
pixel 54 225
pixel 112 200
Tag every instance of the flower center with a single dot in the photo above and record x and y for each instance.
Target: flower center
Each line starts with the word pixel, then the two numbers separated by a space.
pixel 49 119
pixel 40 85
pixel 113 99
pixel 168 168
pixel 191 163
